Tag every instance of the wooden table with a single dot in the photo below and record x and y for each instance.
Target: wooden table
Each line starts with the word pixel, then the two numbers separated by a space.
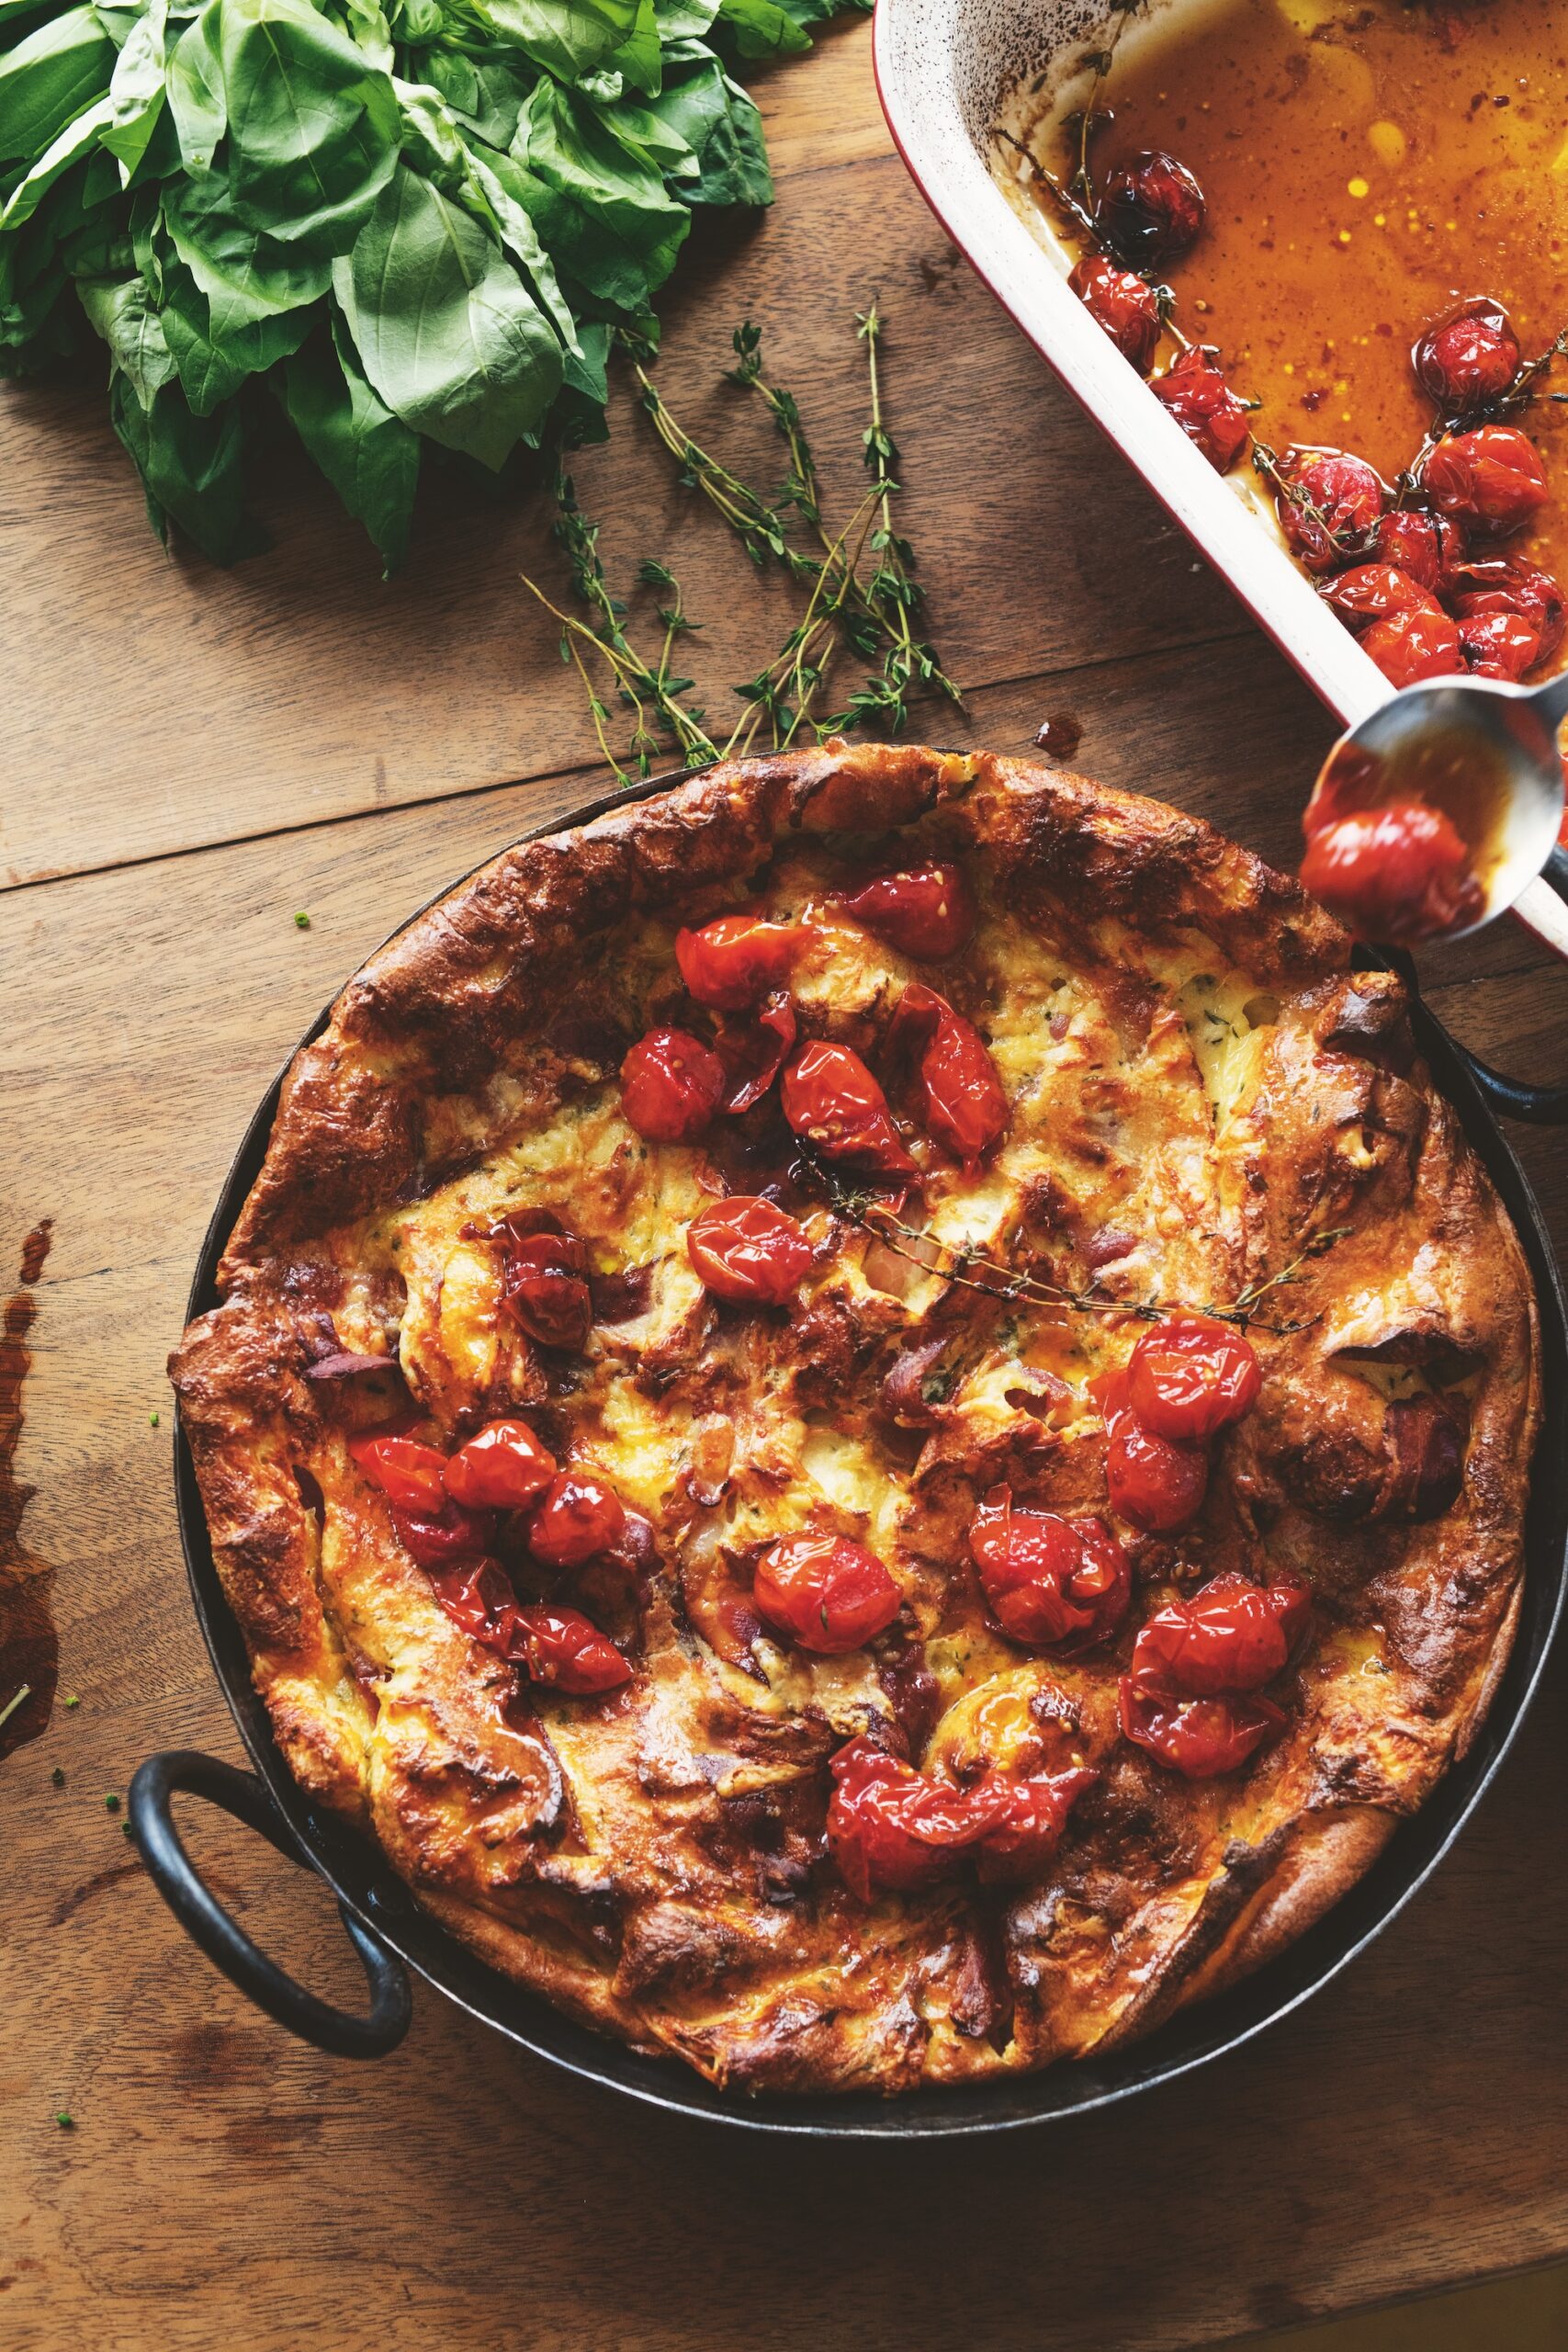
pixel 191 758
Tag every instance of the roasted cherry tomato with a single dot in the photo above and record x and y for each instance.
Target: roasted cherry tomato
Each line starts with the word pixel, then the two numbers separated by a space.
pixel 747 1251
pixel 1344 499
pixel 1499 645
pixel 1124 304
pixel 927 912
pixel 1194 390
pixel 410 1474
pixel 1198 1737
pixel 435 1538
pixel 1189 1377
pixel 1420 641
pixel 961 1102
pixel 1372 591
pixel 892 1829
pixel 1401 872
pixel 577 1517
pixel 1491 477
pixel 1152 210
pixel 503 1467
pixel 1506 584
pixel 831 1099
pixel 1425 547
pixel 1470 358
pixel 562 1650
pixel 1157 1483
pixel 753 1048
pixel 1231 1635
pixel 734 959
pixel 543 1283
pixel 1052 1582
pixel 826 1592
pixel 478 1595
pixel 670 1085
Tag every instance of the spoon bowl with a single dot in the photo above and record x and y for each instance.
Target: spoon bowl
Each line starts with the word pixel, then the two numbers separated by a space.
pixel 1485 753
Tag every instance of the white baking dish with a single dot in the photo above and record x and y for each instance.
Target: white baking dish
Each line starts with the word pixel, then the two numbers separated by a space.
pixel 945 70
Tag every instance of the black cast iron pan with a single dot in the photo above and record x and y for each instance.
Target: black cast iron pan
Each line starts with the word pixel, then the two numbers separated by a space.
pixel 392 1936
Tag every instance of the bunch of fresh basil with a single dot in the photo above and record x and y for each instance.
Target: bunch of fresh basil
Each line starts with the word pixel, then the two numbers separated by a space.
pixel 388 221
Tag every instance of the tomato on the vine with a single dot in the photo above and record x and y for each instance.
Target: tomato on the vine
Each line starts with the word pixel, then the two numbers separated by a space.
pixel 576 1519
pixel 1230 1636
pixel 1052 1582
pixel 672 1084
pixel 747 1250
pixel 1124 304
pixel 409 1473
pixel 1152 210
pixel 962 1101
pixel 1491 477
pixel 1508 585
pixel 1398 873
pixel 562 1650
pixel 1418 642
pixel 1198 1737
pixel 826 1592
pixel 1374 592
pixel 1191 1375
pixel 1499 645
pixel 501 1468
pixel 1425 547
pixel 1345 496
pixel 734 959
pixel 891 1828
pixel 1194 388
pixel 1469 359
pixel 927 913
pixel 831 1099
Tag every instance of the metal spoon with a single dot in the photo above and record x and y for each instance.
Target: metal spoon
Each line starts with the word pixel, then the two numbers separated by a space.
pixel 1487 754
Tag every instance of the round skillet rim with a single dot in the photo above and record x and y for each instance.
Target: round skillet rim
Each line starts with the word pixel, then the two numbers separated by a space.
pixel 376 1902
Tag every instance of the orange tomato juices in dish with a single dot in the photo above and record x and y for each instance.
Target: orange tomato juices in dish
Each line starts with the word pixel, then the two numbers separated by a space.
pixel 1335 239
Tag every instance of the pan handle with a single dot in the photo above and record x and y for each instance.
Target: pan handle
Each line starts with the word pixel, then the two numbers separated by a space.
pixel 1541 1106
pixel 225 1943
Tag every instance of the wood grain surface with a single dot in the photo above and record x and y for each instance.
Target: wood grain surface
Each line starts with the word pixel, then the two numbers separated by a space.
pixel 191 759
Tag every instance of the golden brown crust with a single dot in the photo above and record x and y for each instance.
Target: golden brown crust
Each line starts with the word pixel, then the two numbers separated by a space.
pixel 1198 1088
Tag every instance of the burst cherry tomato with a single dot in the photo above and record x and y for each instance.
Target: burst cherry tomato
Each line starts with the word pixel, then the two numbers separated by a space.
pixel 1372 591
pixel 825 1591
pixel 927 912
pixel 545 1285
pixel 1507 585
pixel 1470 358
pixel 577 1519
pixel 831 1099
pixel 1124 304
pixel 670 1085
pixel 1499 645
pixel 503 1467
pixel 747 1251
pixel 563 1651
pixel 1230 1636
pixel 478 1595
pixel 1194 390
pixel 1420 641
pixel 1490 477
pixel 1152 210
pixel 753 1049
pixel 891 1828
pixel 1425 547
pixel 437 1537
pixel 961 1102
pixel 1061 1583
pixel 1401 872
pixel 1346 497
pixel 734 959
pixel 409 1474
pixel 1198 1737
pixel 1154 1482
pixel 1189 1377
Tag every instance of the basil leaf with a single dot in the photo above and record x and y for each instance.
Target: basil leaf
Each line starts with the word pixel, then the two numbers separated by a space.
pixel 125 316
pixel 312 125
pixel 759 28
pixel 217 344
pixel 232 262
pixel 444 328
pixel 369 456
pixel 599 208
pixel 719 122
pixel 195 85
pixel 190 469
pixel 574 38
pixel 136 91
pixel 77 138
pixel 48 79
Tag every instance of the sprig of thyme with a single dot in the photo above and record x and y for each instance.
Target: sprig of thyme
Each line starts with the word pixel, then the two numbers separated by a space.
pixel 972 1268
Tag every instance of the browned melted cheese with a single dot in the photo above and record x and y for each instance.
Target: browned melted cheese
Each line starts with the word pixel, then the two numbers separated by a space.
pixel 1196 1088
